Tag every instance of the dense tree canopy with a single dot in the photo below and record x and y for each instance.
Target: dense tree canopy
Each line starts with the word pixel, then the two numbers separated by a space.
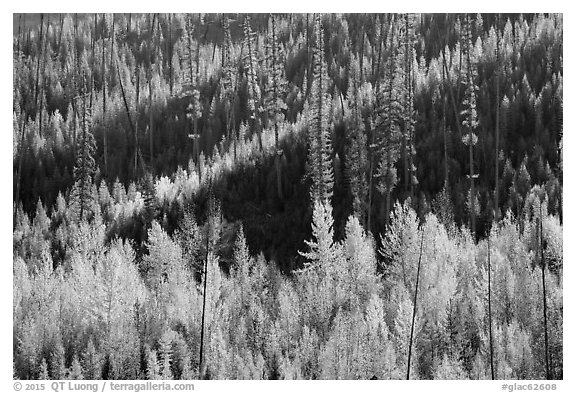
pixel 259 186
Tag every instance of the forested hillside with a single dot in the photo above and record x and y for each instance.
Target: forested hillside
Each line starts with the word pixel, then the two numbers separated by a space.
pixel 294 196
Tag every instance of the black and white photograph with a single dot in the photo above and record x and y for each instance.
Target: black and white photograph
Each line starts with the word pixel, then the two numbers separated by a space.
pixel 287 196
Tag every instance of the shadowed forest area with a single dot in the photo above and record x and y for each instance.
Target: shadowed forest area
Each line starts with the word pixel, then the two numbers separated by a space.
pixel 287 196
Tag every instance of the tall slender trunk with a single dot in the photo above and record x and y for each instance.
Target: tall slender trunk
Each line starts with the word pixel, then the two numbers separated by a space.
pixel 405 136
pixel 470 141
pixel 18 39
pixel 84 153
pixel 39 54
pixel 150 109
pixel 276 110
pixel 112 43
pixel 75 86
pixel 170 53
pixel 490 312
pixel 151 121
pixel 411 136
pixel 27 36
pixel 93 62
pixel 361 55
pixel 309 64
pixel 61 20
pixel 450 90
pixel 21 153
pixel 278 168
pixel 472 191
pixel 204 294
pixel 459 74
pixel 126 107
pixel 444 134
pixel 253 83
pixel 497 147
pixel 373 136
pixel 104 126
pixel 198 53
pixel 414 306
pixel 389 146
pixel 137 115
pixel 543 264
pixel 43 73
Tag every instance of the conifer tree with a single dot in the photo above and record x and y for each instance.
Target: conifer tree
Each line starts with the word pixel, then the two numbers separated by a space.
pixel 320 142
pixel 190 241
pixel 85 168
pixel 275 92
pixel 356 164
pixel 152 367
pixel 212 234
pixel 43 373
pixel 76 371
pixel 497 136
pixel 191 91
pixel 408 144
pixel 165 352
pixel 389 119
pixel 57 361
pixel 250 64
pixel 470 121
pixel 92 360
pixel 323 251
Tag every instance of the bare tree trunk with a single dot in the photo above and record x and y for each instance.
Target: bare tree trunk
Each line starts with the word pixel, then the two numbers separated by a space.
pixel 472 191
pixel 204 294
pixel 125 100
pixel 150 109
pixel 470 142
pixel 405 137
pixel 93 65
pixel 411 136
pixel 43 73
pixel 137 115
pixel 19 30
pixel 543 264
pixel 104 126
pixel 490 312
pixel 112 43
pixel 414 307
pixel 75 85
pixel 497 147
pixel 60 32
pixel 446 180
pixel 456 114
pixel 276 110
pixel 389 146
pixel 22 151
pixel 361 55
pixel 198 55
pixel 308 62
pixel 39 54
pixel 170 53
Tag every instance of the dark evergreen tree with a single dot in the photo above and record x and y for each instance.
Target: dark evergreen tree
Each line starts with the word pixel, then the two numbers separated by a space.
pixel 81 199
pixel 320 164
pixel 470 119
pixel 274 98
pixel 250 64
pixel 389 119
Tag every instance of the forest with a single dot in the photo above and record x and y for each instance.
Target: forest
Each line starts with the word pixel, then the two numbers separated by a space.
pixel 287 196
